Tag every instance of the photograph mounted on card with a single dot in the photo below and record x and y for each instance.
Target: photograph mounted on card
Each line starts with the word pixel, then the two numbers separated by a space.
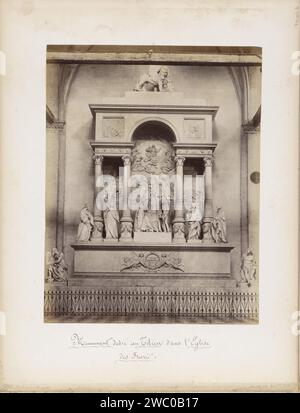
pixel 152 185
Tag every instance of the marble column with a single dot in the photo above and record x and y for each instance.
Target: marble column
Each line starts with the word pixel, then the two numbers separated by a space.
pixel 98 218
pixel 178 221
pixel 126 220
pixel 208 204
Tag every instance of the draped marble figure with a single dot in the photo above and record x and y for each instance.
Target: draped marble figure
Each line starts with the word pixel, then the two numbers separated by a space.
pixel 86 225
pixel 56 267
pixel 193 219
pixel 248 266
pixel 111 219
pixel 218 227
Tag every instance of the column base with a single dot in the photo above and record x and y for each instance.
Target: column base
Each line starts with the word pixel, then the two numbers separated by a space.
pixel 206 230
pixel 179 231
pixel 98 230
pixel 126 229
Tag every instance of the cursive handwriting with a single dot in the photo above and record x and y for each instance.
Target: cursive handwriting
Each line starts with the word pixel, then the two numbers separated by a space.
pixel 193 343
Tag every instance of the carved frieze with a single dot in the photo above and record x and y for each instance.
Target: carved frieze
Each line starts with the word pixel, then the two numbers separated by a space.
pixel 114 151
pixel 195 152
pixel 153 262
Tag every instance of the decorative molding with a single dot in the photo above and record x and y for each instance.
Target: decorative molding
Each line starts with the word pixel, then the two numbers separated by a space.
pixel 151 108
pixel 142 301
pixel 149 247
pixel 193 152
pixel 55 125
pixel 250 128
pixel 111 149
pixel 195 148
pixel 150 55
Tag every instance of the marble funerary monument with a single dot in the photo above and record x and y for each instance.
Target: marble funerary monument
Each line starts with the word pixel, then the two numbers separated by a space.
pixel 153 242
pixel 152 133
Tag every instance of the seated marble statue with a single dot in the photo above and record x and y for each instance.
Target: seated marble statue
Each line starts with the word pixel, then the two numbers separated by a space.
pixel 147 221
pixel 86 225
pixel 218 226
pixel 193 219
pixel 56 266
pixel 156 80
pixel 111 220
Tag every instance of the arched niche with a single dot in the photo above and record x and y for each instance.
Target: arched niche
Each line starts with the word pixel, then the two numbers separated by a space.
pixel 154 128
pixel 153 152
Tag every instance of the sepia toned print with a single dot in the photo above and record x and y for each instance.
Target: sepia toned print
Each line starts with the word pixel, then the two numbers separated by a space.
pixel 152 191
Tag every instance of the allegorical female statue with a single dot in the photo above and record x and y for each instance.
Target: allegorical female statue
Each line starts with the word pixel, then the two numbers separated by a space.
pixel 218 226
pixel 56 266
pixel 86 225
pixel 193 219
pixel 111 219
pixel 248 266
pixel 146 220
pixel 164 217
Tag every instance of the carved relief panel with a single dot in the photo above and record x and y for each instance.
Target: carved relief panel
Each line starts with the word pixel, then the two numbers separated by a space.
pixel 194 129
pixel 113 128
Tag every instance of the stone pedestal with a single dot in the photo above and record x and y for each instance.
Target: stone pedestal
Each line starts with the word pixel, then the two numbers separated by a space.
pixel 153 237
pixel 149 258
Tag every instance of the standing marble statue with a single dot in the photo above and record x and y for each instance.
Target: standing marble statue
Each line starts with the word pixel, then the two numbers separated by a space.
pixel 111 220
pixel 193 219
pixel 218 226
pixel 164 216
pixel 56 266
pixel 248 267
pixel 86 225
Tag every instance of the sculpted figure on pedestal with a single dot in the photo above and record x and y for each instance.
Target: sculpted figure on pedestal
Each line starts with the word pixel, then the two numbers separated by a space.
pixel 248 267
pixel 218 226
pixel 147 221
pixel 193 219
pixel 165 220
pixel 57 267
pixel 86 225
pixel 111 220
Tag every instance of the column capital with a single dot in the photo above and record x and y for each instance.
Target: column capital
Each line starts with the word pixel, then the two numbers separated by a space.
pixel 98 158
pixel 208 161
pixel 179 159
pixel 126 159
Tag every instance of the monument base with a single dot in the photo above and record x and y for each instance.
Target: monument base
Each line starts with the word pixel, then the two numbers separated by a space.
pixel 155 237
pixel 152 258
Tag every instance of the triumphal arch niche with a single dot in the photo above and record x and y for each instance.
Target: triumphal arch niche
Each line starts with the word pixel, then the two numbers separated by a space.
pixel 153 215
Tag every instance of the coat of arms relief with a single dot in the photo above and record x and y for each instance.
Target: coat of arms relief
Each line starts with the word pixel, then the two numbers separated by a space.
pixel 154 262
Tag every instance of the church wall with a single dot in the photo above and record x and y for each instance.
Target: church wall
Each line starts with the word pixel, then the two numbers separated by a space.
pixel 52 147
pixel 93 82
